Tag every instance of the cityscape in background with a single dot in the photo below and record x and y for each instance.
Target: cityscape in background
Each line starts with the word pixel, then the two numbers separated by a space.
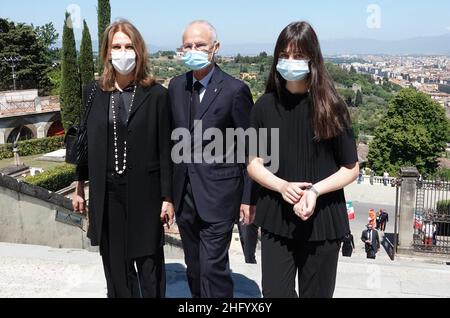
pixel 428 74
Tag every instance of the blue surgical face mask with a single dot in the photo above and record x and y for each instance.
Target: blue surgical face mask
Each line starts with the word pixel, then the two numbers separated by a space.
pixel 196 60
pixel 293 70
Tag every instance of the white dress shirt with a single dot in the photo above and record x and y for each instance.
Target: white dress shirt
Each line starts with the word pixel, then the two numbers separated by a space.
pixel 205 82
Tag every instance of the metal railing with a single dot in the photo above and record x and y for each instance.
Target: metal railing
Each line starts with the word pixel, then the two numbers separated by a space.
pixel 40 104
pixel 432 216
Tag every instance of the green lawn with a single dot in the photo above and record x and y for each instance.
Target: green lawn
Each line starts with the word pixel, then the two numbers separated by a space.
pixel 31 161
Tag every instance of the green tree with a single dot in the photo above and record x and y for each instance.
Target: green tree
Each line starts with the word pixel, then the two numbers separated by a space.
pixel 70 78
pixel 86 57
pixel 261 69
pixel 47 35
pixel 358 99
pixel 55 79
pixel 104 19
pixel 414 132
pixel 21 41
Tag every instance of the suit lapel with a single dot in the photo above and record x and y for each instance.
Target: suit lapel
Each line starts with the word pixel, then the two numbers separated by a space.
pixel 212 91
pixel 139 99
pixel 186 106
pixel 102 99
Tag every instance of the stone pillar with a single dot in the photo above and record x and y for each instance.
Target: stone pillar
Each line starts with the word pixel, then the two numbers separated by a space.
pixel 40 129
pixel 409 177
pixel 38 105
pixel 2 136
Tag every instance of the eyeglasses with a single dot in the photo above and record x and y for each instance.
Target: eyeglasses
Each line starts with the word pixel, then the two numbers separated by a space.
pixel 199 46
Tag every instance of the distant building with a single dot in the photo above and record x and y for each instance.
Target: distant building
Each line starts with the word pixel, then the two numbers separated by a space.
pixel 180 53
pixel 32 116
pixel 444 88
pixel 356 88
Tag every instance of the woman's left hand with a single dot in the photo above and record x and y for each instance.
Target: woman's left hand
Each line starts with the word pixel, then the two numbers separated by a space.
pixel 167 214
pixel 307 205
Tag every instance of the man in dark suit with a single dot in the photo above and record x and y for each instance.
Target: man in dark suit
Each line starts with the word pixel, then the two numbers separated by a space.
pixel 209 197
pixel 384 218
pixel 371 240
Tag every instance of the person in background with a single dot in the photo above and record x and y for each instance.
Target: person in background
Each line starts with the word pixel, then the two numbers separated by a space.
pixel 371 241
pixel 378 219
pixel 372 177
pixel 429 230
pixel 360 176
pixel 348 245
pixel 385 178
pixel 384 218
pixel 372 217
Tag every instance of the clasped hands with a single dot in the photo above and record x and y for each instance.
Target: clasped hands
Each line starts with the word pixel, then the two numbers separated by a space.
pixel 297 194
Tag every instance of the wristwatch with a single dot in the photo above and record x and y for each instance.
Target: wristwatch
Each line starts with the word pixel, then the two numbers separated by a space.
pixel 314 190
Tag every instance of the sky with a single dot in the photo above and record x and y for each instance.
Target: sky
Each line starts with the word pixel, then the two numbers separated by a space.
pixel 241 22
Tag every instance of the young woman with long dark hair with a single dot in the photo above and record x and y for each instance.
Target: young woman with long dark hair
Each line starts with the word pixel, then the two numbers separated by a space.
pixel 301 208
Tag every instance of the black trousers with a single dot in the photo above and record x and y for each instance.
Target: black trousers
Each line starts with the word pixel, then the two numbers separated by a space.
pixel 205 248
pixel 314 262
pixel 249 239
pixel 142 277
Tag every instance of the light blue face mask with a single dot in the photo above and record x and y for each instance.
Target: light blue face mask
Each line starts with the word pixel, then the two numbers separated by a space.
pixel 293 70
pixel 196 60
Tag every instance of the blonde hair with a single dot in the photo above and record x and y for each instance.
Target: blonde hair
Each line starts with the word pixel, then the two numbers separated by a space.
pixel 141 72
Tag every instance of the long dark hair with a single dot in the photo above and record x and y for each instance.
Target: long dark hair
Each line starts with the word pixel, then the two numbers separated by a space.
pixel 330 115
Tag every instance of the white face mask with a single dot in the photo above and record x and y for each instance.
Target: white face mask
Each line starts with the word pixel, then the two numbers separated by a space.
pixel 124 62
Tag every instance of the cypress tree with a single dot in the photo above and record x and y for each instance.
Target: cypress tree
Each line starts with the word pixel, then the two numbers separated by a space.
pixel 70 79
pixel 358 99
pixel 86 57
pixel 104 19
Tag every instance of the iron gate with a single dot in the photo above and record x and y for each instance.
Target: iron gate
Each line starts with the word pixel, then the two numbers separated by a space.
pixel 432 216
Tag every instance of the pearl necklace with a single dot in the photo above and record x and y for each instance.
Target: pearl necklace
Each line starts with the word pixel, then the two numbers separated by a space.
pixel 116 148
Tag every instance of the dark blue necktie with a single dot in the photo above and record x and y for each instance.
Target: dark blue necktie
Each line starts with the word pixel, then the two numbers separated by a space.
pixel 195 100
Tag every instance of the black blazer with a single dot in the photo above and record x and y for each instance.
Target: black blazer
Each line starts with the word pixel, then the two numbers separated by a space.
pixel 149 166
pixel 375 239
pixel 218 189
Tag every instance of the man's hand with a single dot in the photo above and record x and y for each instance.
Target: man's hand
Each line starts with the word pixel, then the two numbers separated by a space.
pixel 78 201
pixel 167 213
pixel 247 214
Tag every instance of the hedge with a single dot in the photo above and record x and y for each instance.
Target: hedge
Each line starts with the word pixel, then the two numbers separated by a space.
pixel 443 207
pixel 32 147
pixel 54 179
